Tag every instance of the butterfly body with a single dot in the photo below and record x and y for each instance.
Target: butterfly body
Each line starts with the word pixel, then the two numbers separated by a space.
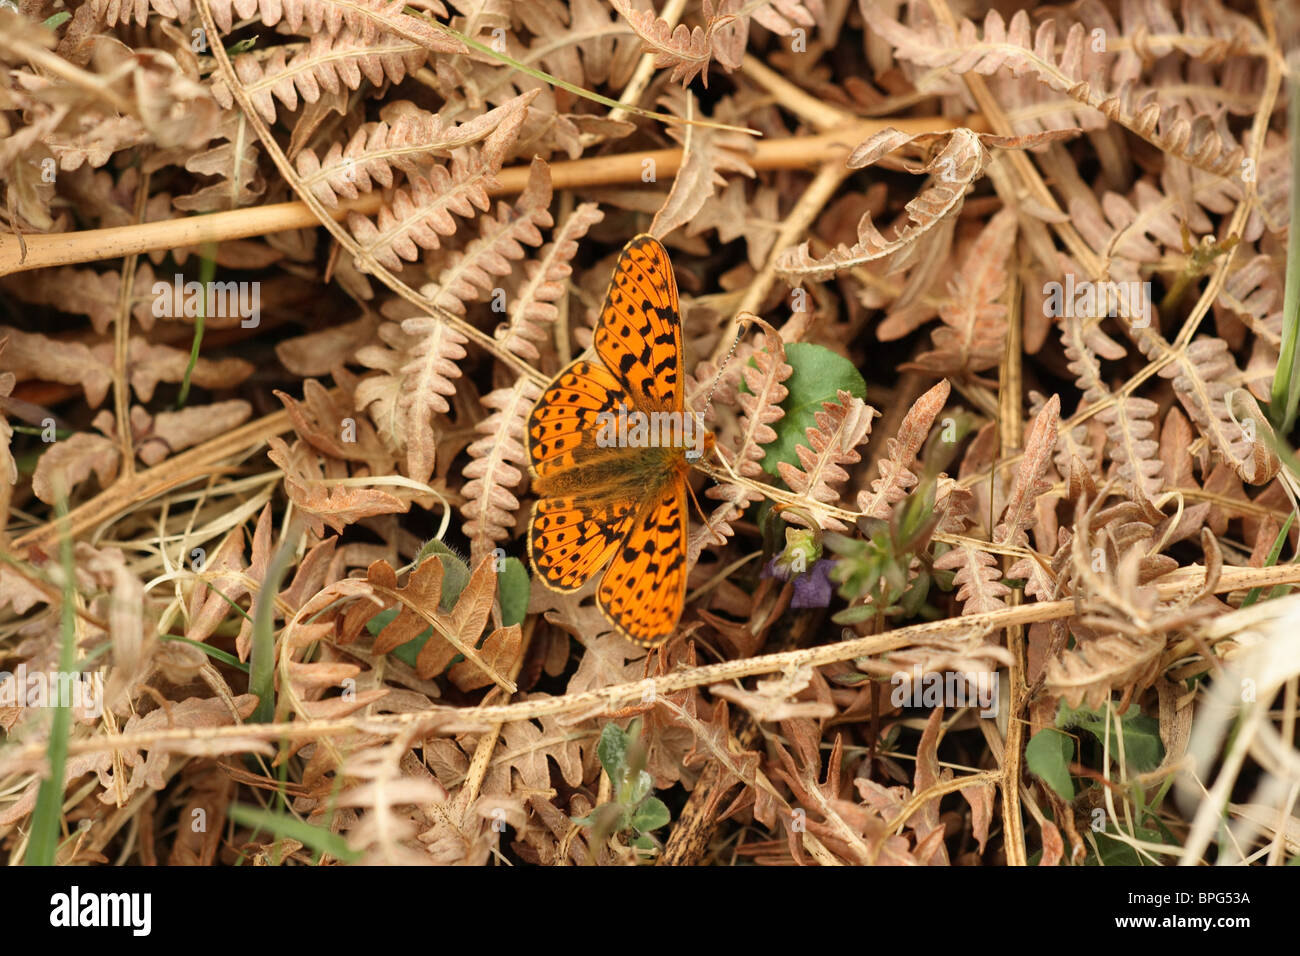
pixel 609 471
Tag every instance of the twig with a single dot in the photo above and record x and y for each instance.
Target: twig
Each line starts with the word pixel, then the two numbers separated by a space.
pixel 613 697
pixel 92 245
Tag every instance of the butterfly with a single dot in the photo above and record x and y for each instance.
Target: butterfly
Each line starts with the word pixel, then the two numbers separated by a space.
pixel 621 502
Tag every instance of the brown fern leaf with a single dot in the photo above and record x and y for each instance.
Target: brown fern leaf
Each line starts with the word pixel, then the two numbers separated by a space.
pixel 533 303
pixel 760 407
pixel 1089 673
pixel 959 163
pixel 1117 643
pixel 367 19
pixel 1129 426
pixel 416 367
pixel 1128 419
pixel 706 155
pixel 973 336
pixel 113 12
pixel 956 160
pixel 77 291
pixel 841 426
pixel 322 503
pixel 421 214
pixel 596 47
pixel 406 138
pixel 687 51
pixel 327 63
pixel 493 470
pixel 1253 295
pixel 1019 47
pixel 978 578
pixel 1206 380
pixel 468 273
pixel 1030 481
pixel 385 834
pixel 896 476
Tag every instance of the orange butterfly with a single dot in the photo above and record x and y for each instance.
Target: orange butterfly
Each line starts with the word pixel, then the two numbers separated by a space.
pixel 608 468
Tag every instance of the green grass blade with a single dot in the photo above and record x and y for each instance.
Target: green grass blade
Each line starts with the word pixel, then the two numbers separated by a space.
pixel 285 826
pixel 48 814
pixel 261 674
pixel 574 88
pixel 1274 553
pixel 1286 381
pixel 207 272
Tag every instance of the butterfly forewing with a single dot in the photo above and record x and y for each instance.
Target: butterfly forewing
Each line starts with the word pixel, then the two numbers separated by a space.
pixel 640 333
pixel 565 420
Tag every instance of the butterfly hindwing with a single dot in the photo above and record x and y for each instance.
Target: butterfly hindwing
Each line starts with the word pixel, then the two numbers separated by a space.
pixel 644 588
pixel 569 540
pixel 639 337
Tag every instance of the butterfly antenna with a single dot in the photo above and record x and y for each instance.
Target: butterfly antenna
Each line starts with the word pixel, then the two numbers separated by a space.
pixel 742 327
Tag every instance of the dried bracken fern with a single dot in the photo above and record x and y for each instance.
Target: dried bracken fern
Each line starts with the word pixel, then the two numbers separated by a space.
pixel 291 437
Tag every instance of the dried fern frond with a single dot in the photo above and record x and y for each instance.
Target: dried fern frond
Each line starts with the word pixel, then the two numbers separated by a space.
pixel 707 154
pixel 978 578
pixel 406 138
pixel 955 160
pixel 1128 418
pixel 416 366
pixel 760 407
pixel 896 476
pixel 496 466
pixel 326 64
pixel 973 336
pixel 366 18
pixel 469 272
pixel 420 215
pixel 841 426
pixel 687 51
pixel 1020 47
pixel 1030 476
pixel 532 303
pixel 1205 379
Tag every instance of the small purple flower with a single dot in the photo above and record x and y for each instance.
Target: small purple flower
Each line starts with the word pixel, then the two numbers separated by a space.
pixel 813 588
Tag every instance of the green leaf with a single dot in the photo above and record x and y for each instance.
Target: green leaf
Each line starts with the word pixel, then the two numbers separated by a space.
pixel 1113 852
pixel 513 587
pixel 612 751
pixel 636 787
pixel 58 19
pixel 817 374
pixel 284 825
pixel 1048 757
pixel 216 653
pixel 1143 749
pixel 406 653
pixel 455 572
pixel 651 815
